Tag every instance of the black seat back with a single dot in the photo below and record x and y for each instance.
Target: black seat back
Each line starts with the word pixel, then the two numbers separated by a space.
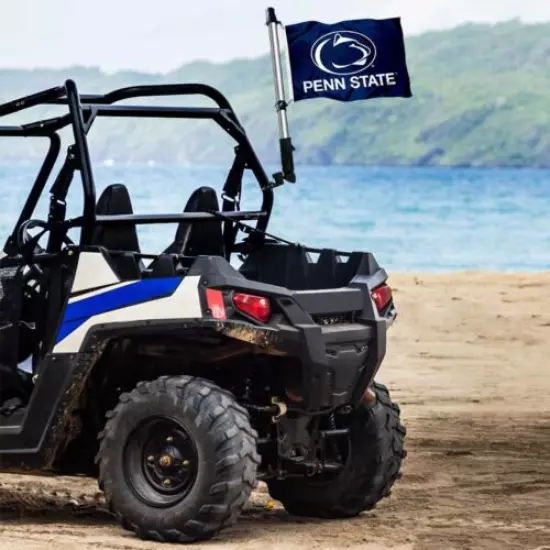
pixel 200 238
pixel 115 201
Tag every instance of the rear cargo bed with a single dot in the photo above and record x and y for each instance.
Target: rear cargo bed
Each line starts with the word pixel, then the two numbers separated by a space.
pixel 295 267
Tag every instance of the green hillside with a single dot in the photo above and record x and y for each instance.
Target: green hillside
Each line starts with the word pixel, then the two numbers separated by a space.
pixel 482 98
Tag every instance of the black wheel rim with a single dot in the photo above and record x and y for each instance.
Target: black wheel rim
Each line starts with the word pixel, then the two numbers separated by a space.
pixel 160 462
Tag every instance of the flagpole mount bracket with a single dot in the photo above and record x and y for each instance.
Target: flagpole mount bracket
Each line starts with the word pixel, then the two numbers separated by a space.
pixel 285 142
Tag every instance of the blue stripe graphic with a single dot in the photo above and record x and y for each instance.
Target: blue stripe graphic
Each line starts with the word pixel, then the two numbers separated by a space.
pixel 79 312
pixel 67 327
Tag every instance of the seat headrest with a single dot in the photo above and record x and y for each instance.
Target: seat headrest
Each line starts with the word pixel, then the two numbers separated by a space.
pixel 115 201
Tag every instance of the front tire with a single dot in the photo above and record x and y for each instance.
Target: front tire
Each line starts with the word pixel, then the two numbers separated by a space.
pixel 177 459
pixel 376 451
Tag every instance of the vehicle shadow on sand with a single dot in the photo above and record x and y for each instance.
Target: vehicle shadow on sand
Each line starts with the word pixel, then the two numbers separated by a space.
pixel 89 510
pixel 25 506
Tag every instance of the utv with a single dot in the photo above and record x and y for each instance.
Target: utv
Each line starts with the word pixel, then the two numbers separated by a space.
pixel 177 379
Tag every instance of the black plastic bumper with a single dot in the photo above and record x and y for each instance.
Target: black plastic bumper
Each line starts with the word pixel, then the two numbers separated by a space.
pixel 339 360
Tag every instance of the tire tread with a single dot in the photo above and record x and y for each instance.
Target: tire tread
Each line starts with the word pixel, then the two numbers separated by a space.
pixel 236 455
pixel 365 490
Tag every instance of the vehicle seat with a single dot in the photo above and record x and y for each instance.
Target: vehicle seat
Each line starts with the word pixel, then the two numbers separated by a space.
pixel 200 238
pixel 114 201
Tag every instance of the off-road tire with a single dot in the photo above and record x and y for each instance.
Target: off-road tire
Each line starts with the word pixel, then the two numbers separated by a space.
pixel 377 451
pixel 226 447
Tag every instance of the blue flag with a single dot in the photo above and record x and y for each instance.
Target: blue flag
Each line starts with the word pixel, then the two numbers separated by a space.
pixel 348 61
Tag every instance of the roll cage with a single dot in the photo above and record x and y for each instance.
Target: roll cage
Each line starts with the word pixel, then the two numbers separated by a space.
pixel 83 111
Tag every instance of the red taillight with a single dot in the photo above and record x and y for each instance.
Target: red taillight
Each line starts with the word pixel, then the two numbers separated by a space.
pixel 382 297
pixel 257 307
pixel 214 300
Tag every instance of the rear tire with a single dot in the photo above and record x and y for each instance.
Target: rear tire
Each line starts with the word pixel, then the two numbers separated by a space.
pixel 177 460
pixel 377 451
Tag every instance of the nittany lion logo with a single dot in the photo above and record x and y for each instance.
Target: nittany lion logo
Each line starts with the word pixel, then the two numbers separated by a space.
pixel 343 53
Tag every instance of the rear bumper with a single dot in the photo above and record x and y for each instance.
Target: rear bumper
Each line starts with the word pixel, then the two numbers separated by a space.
pixel 340 360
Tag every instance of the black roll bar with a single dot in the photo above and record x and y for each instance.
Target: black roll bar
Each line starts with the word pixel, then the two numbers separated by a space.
pixel 144 219
pixel 83 154
pixel 151 90
pixel 45 128
pixel 26 102
pixel 83 109
pixel 154 111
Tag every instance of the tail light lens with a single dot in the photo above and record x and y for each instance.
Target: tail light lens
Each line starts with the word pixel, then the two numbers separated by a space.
pixel 214 300
pixel 256 307
pixel 382 296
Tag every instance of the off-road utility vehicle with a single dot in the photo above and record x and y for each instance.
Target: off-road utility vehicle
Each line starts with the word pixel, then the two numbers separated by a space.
pixel 178 379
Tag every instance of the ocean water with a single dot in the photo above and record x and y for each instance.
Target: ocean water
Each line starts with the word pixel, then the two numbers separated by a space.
pixel 413 219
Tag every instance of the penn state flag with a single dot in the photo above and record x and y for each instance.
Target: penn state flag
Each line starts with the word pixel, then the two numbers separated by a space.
pixel 348 61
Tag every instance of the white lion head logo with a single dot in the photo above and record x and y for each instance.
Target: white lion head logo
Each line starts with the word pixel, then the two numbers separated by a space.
pixel 343 53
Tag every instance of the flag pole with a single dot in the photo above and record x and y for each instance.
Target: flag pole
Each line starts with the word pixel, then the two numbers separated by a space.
pixel 285 141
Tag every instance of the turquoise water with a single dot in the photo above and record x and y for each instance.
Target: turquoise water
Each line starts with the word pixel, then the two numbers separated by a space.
pixel 413 219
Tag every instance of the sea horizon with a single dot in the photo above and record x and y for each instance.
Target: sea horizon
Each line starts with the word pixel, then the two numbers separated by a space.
pixel 414 219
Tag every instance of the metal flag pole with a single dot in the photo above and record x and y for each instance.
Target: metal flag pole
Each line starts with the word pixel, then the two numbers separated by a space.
pixel 285 142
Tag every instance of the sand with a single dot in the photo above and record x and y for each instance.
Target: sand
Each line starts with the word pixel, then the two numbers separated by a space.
pixel 469 361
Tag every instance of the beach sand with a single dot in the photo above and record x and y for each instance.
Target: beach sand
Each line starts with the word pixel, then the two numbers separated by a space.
pixel 469 362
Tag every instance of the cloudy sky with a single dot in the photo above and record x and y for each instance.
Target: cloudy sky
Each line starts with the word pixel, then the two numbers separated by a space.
pixel 159 35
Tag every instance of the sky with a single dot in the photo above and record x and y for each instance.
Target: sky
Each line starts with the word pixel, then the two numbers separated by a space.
pixel 161 35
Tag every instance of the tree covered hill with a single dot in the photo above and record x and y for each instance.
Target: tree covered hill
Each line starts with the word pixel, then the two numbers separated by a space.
pixel 481 98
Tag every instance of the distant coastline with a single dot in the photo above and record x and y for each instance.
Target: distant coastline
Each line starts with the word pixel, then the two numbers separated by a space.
pixel 481 97
pixel 273 165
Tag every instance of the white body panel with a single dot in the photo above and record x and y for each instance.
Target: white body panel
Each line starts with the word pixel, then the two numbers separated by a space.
pixel 93 271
